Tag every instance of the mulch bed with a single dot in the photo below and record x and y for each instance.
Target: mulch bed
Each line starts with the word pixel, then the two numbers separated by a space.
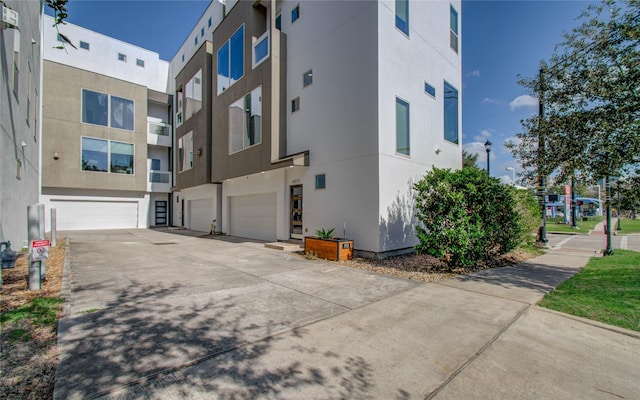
pixel 29 353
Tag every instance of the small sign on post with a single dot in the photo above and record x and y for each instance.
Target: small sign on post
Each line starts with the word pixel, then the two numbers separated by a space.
pixel 39 249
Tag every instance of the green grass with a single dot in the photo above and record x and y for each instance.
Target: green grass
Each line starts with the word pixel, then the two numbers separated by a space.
pixel 629 226
pixel 583 226
pixel 606 290
pixel 40 311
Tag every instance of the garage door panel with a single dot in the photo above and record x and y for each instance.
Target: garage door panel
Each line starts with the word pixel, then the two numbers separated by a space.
pixel 253 216
pixel 201 214
pixel 89 215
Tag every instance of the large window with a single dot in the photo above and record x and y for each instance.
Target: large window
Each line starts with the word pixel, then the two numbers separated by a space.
pixel 453 25
pixel 402 127
pixel 185 152
pixel 231 60
pixel 450 113
pixel 245 121
pixel 121 113
pixel 101 155
pixel 121 158
pixel 193 95
pixel 402 15
pixel 102 109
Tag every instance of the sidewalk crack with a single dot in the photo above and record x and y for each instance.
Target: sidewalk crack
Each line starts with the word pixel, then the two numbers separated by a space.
pixel 477 354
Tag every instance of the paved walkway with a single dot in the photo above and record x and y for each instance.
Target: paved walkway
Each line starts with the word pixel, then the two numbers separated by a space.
pixel 209 319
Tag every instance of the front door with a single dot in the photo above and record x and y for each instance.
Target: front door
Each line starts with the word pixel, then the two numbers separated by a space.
pixel 161 212
pixel 296 212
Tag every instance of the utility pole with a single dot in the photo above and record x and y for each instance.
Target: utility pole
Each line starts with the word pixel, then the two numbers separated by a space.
pixel 607 190
pixel 574 210
pixel 542 234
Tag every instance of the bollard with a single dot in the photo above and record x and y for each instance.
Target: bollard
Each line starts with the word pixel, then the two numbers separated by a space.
pixel 33 226
pixel 41 235
pixel 53 227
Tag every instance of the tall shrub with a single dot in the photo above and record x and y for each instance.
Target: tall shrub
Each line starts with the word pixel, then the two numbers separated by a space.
pixel 465 216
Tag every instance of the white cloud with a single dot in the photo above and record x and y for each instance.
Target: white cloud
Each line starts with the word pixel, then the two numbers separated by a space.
pixel 483 136
pixel 488 100
pixel 523 101
pixel 478 148
pixel 473 74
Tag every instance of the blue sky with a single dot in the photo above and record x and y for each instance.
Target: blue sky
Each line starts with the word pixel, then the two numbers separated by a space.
pixel 500 39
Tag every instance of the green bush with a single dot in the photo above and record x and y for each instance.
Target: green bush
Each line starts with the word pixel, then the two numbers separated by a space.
pixel 529 209
pixel 466 216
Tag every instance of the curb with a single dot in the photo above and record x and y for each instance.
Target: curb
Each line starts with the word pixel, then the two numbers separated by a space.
pixel 597 324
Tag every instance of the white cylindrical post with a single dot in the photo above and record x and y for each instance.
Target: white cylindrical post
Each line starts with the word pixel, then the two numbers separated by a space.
pixel 53 227
pixel 33 229
pixel 41 235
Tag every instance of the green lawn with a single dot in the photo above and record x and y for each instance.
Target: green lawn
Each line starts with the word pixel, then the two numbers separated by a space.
pixel 629 226
pixel 583 226
pixel 606 290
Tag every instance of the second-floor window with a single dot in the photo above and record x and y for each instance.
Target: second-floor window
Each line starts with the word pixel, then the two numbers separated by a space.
pixel 450 113
pixel 231 60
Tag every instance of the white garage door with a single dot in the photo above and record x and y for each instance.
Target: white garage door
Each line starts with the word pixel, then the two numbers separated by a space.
pixel 253 216
pixel 88 215
pixel 201 214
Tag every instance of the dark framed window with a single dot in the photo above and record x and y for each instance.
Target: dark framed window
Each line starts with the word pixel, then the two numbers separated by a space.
pixel 450 113
pixel 295 14
pixel 402 16
pixel 295 104
pixel 430 90
pixel 321 181
pixel 84 45
pixel 402 127
pixel 122 57
pixel 279 22
pixel 307 78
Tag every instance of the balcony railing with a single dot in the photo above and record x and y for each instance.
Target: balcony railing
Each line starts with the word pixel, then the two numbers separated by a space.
pixel 159 176
pixel 158 133
pixel 158 128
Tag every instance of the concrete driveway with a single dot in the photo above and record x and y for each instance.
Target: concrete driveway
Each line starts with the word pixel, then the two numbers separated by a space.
pixel 157 315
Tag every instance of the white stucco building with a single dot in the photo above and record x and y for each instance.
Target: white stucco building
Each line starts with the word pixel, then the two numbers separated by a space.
pixel 359 100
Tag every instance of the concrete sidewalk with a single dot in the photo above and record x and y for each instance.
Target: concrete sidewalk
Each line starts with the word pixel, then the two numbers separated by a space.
pixel 316 330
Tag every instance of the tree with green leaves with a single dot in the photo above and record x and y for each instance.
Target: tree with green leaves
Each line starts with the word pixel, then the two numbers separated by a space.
pixel 59 15
pixel 590 93
pixel 469 160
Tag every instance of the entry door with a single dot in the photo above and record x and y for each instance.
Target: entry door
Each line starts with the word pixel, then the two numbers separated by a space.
pixel 161 212
pixel 296 212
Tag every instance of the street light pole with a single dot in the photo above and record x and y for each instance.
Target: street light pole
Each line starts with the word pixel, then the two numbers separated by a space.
pixel 574 210
pixel 607 192
pixel 619 209
pixel 487 147
pixel 542 234
pixel 513 175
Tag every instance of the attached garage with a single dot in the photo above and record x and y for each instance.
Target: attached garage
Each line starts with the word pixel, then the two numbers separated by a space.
pixel 253 216
pixel 88 215
pixel 201 214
